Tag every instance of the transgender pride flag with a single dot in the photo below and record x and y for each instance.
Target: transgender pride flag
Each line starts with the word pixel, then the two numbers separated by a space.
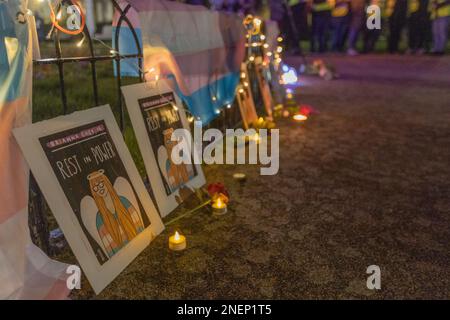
pixel 25 271
pixel 201 49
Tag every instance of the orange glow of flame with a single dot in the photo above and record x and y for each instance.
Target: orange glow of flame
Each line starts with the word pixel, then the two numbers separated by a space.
pixel 220 203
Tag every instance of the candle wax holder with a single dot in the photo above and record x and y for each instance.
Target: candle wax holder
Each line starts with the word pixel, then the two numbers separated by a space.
pixel 177 242
pixel 241 177
pixel 219 208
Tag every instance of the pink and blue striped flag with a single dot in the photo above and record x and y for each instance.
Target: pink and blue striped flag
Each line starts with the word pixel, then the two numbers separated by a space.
pixel 201 49
pixel 25 271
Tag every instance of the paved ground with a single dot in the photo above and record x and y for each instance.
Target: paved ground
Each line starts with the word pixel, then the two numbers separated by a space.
pixel 366 181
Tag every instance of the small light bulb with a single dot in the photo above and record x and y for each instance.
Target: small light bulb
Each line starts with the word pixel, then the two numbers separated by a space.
pixel 252 58
pixel 174 107
pixel 263 37
pixel 80 43
pixel 228 106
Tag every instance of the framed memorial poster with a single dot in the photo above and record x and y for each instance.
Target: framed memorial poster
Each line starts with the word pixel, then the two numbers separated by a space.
pixel 278 90
pixel 93 188
pixel 156 112
pixel 264 86
pixel 246 105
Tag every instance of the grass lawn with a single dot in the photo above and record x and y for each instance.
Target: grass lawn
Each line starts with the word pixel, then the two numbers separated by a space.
pixel 47 102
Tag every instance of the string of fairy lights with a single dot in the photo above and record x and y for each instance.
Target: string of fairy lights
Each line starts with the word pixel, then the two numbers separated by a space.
pixel 257 49
pixel 154 77
pixel 260 51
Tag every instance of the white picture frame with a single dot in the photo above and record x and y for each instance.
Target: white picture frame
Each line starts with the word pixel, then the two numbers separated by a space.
pixel 166 198
pixel 264 87
pixel 81 213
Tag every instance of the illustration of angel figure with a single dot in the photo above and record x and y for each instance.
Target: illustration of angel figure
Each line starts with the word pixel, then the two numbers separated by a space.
pixel 175 174
pixel 112 214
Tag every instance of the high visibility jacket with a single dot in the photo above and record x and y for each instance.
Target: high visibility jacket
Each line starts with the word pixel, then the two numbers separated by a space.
pixel 389 9
pixel 340 7
pixel 413 6
pixel 321 5
pixel 292 3
pixel 443 11
pixel 379 3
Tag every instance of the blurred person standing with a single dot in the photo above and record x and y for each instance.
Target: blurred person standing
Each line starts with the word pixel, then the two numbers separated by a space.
pixel 249 6
pixel 371 36
pixel 278 14
pixel 321 20
pixel 397 21
pixel 198 2
pixel 418 25
pixel 294 21
pixel 440 15
pixel 340 20
pixel 226 5
pixel 357 21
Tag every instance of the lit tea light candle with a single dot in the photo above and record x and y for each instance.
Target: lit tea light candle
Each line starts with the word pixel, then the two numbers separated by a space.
pixel 219 207
pixel 239 177
pixel 177 242
pixel 300 117
pixel 255 137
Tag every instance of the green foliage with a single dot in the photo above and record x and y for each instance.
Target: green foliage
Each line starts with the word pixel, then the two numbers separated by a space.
pixel 47 101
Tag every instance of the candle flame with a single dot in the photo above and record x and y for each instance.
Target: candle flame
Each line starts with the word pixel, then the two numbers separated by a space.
pixel 177 236
pixel 300 117
pixel 219 203
pixel 256 137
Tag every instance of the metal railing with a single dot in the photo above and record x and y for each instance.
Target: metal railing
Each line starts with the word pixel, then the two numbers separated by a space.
pixel 37 206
